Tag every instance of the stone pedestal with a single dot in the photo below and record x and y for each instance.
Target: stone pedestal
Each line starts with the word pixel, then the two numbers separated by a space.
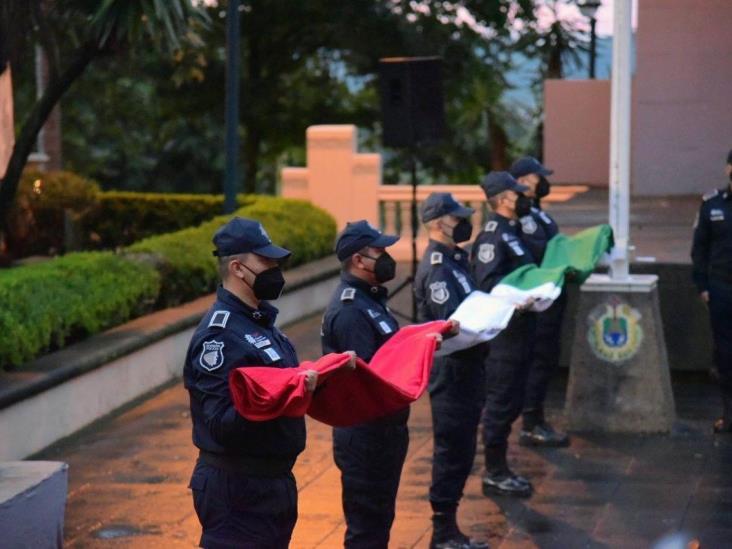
pixel 619 376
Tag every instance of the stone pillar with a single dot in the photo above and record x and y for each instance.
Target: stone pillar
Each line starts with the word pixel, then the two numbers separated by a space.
pixel 337 178
pixel 7 132
pixel 619 376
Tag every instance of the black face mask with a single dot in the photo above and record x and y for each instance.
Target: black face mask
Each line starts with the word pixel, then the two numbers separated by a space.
pixel 523 205
pixel 384 267
pixel 462 231
pixel 268 284
pixel 543 187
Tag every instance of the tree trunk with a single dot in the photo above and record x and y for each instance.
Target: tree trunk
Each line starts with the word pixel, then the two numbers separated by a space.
pixel 35 121
pixel 499 144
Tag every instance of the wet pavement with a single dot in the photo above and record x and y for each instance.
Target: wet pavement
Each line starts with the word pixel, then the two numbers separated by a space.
pixel 128 481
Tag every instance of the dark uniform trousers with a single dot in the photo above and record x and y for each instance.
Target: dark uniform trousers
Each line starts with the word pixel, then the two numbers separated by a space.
pixel 457 396
pixel 370 457
pixel 506 371
pixel 547 346
pixel 720 312
pixel 238 510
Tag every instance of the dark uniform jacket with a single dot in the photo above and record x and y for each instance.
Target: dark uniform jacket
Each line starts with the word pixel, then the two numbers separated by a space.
pixel 711 252
pixel 443 281
pixel 357 319
pixel 496 252
pixel 537 229
pixel 232 335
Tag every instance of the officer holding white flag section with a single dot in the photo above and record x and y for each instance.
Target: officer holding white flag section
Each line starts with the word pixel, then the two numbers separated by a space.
pixel 456 385
pixel 497 251
pixel 537 229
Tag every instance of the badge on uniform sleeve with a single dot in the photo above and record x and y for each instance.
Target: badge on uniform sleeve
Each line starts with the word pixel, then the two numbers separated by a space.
pixel 528 225
pixel 716 214
pixel 486 253
pixel 212 355
pixel 439 292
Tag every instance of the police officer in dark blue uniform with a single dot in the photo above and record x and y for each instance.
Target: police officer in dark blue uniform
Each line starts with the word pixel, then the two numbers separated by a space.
pixel 711 256
pixel 457 381
pixel 496 252
pixel 537 228
pixel 244 492
pixel 370 456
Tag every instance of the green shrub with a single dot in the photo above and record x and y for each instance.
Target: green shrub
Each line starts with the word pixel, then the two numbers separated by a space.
pixel 36 221
pixel 44 305
pixel 122 218
pixel 185 262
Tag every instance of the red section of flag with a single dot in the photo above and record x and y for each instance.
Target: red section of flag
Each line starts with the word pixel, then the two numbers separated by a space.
pixel 396 376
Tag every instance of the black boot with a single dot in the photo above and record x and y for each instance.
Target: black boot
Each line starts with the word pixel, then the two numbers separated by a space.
pixel 447 535
pixel 724 423
pixel 499 479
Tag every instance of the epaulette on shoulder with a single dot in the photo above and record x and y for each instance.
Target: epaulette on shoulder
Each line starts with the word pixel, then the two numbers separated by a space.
pixel 219 319
pixel 436 258
pixel 491 226
pixel 348 294
pixel 710 194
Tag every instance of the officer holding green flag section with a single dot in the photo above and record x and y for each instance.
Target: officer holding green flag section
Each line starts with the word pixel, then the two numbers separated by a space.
pixel 497 251
pixel 537 229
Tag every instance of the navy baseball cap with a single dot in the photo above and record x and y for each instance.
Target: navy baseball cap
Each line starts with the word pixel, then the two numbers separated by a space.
pixel 439 204
pixel 358 235
pixel 528 164
pixel 496 182
pixel 240 236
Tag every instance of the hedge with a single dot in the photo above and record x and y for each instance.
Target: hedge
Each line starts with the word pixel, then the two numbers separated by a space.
pixel 188 268
pixel 121 218
pixel 45 305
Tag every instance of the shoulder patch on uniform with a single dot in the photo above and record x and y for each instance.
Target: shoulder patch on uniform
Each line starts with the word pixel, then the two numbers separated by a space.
pixel 439 292
pixel 436 258
pixel 486 253
pixel 710 194
pixel 528 224
pixel 491 226
pixel 212 355
pixel 219 318
pixel 372 313
pixel 348 294
pixel 462 280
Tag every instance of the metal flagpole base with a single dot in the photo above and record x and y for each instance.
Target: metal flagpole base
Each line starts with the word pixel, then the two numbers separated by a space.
pixel 619 375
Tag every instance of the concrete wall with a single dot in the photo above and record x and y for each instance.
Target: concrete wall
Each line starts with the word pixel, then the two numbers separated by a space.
pixel 682 114
pixel 7 133
pixel 682 120
pixel 576 136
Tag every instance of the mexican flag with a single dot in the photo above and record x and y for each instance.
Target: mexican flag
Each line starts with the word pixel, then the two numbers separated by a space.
pixel 482 316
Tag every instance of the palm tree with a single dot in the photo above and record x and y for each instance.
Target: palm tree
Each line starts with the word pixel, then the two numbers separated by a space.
pixel 72 33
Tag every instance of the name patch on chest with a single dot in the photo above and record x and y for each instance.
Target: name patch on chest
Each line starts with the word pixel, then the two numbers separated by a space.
pixel 272 354
pixel 716 214
pixel 385 328
pixel 258 340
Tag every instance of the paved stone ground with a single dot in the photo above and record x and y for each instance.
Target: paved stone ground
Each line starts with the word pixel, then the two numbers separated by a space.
pixel 128 477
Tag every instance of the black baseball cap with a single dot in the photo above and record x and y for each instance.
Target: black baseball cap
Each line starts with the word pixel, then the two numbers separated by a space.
pixel 497 182
pixel 439 204
pixel 241 235
pixel 528 164
pixel 359 234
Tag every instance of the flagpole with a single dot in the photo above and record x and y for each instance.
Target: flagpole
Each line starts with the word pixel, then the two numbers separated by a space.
pixel 620 120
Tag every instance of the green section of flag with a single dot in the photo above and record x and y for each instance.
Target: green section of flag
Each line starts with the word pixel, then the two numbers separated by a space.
pixel 576 255
pixel 580 253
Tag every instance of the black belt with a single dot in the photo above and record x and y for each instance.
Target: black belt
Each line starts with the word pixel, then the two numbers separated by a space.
pixel 261 467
